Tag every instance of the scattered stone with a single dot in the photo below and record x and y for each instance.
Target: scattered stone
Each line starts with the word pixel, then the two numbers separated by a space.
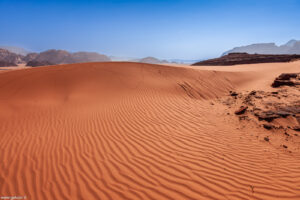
pixel 280 127
pixel 271 115
pixel 287 76
pixel 296 128
pixel 283 113
pixel 247 100
pixel 265 106
pixel 244 117
pixel 232 93
pixel 268 126
pixel 294 109
pixel 241 110
pixel 285 79
pixel 278 83
pixel 256 109
pixel 266 116
pixel 285 133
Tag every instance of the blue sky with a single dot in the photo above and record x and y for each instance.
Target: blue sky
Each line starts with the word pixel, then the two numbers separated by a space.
pixel 166 29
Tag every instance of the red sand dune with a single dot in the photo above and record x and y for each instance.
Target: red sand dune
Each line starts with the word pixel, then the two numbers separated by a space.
pixel 136 131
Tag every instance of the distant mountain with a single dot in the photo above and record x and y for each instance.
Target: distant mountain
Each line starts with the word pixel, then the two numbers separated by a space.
pixel 291 43
pixel 182 61
pixel 63 57
pixel 8 58
pixel 88 57
pixel 16 50
pixel 53 56
pixel 291 47
pixel 119 58
pixel 151 60
pixel 30 57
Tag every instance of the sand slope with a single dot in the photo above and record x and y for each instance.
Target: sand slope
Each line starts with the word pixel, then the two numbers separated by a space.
pixel 134 131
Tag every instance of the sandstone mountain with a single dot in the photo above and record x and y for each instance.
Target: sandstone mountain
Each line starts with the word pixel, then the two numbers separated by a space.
pixel 151 60
pixel 30 57
pixel 291 47
pixel 64 57
pixel 8 58
pixel 16 50
pixel 79 57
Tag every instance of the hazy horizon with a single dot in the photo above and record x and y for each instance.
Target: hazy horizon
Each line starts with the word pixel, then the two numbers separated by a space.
pixel 166 30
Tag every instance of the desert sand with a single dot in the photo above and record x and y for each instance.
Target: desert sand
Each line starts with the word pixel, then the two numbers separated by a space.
pixel 140 131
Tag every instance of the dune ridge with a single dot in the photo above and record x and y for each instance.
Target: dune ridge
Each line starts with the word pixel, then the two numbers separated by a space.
pixel 134 131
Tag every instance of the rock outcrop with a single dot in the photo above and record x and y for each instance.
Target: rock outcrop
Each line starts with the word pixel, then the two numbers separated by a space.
pixel 30 57
pixel 64 57
pixel 275 113
pixel 287 79
pixel 7 64
pixel 244 58
pixel 241 110
pixel 8 58
pixel 16 50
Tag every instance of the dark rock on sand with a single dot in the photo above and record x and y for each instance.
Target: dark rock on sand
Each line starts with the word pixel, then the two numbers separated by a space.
pixel 287 76
pixel 278 83
pixel 266 116
pixel 283 113
pixel 285 79
pixel 232 93
pixel 271 115
pixel 268 126
pixel 296 128
pixel 241 110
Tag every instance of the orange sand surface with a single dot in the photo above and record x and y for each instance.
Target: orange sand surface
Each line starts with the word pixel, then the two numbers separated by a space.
pixel 137 131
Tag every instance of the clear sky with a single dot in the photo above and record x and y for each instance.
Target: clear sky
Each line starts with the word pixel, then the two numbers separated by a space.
pixel 184 29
